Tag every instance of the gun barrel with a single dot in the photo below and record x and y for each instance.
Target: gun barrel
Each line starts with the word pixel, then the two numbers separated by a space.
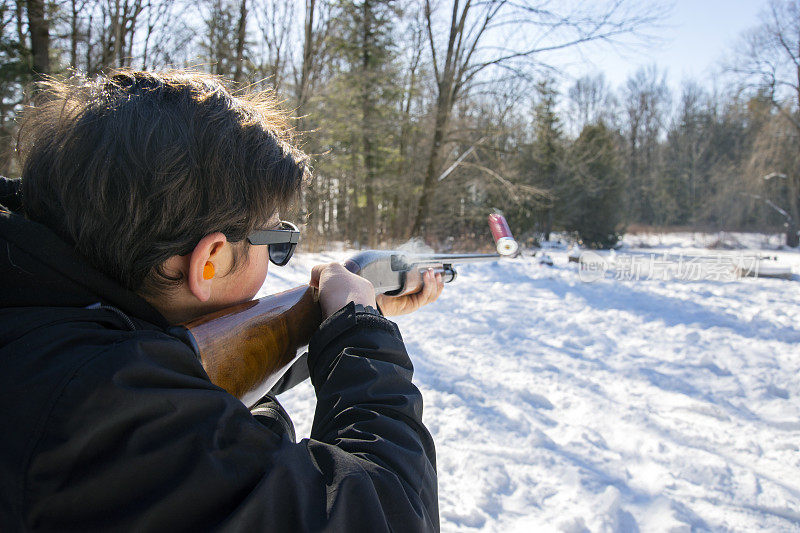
pixel 451 259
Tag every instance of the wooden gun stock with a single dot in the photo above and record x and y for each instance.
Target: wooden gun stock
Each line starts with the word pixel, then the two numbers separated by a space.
pixel 242 346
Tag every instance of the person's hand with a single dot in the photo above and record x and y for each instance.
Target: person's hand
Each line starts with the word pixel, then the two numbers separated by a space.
pixel 338 287
pixel 401 305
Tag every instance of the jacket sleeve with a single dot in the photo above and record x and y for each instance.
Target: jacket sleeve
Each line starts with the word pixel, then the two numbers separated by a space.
pixel 137 438
pixel 369 409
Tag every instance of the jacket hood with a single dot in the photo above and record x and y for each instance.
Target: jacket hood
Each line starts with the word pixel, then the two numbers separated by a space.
pixel 38 269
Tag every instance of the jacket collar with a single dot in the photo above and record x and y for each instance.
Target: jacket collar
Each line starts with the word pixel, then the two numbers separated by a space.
pixel 37 268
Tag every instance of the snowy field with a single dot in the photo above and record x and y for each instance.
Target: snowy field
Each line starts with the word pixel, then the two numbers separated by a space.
pixel 656 399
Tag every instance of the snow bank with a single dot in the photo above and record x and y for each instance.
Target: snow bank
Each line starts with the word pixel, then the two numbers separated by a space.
pixel 617 405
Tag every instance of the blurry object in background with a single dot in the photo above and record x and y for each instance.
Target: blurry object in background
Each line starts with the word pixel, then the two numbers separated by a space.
pixel 574 255
pixel 764 267
pixel 543 258
pixel 726 242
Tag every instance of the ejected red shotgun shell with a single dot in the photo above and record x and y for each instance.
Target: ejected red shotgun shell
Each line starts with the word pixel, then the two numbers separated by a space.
pixel 506 245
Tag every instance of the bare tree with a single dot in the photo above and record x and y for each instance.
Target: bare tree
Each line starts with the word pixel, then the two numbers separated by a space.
pixel 274 18
pixel 121 17
pixel 306 75
pixel 646 99
pixel 165 32
pixel 509 37
pixel 76 32
pixel 241 41
pixel 768 60
pixel 590 101
pixel 315 31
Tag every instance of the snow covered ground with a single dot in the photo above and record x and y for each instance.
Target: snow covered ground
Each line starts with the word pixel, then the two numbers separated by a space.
pixel 655 402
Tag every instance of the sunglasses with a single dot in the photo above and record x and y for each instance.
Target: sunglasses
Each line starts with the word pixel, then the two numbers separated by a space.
pixel 281 241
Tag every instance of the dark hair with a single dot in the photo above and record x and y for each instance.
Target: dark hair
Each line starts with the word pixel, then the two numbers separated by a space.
pixel 135 167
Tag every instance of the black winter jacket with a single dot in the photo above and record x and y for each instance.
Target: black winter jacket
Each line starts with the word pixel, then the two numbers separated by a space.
pixel 108 422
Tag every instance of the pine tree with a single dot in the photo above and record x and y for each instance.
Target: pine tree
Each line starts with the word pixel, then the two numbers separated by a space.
pixel 365 106
pixel 543 160
pixel 596 183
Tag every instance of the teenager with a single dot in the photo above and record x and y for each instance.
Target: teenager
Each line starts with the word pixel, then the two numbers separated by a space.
pixel 143 203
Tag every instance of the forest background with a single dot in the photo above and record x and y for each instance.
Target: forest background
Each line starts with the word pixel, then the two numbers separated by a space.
pixel 423 117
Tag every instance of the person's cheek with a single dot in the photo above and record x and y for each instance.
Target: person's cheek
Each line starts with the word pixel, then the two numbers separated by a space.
pixel 252 275
pixel 259 262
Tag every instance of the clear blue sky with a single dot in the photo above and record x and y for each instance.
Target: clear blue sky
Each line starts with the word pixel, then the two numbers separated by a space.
pixel 695 35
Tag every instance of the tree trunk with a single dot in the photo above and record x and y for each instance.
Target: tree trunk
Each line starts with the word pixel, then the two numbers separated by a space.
pixel 119 23
pixel 548 224
pixel 302 89
pixel 792 237
pixel 448 82
pixel 367 116
pixel 89 66
pixel 241 36
pixel 341 206
pixel 353 227
pixel 40 37
pixel 429 185
pixel 73 49
pixel 20 21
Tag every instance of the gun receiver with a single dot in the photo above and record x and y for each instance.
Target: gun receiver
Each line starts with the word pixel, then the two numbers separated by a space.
pixel 398 273
pixel 246 348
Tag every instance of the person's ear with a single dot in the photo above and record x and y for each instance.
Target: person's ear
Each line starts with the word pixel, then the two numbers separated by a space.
pixel 202 267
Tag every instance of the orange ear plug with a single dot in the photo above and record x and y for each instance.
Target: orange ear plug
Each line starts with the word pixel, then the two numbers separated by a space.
pixel 208 270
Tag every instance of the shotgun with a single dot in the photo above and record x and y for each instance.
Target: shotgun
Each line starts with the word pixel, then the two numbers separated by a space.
pixel 247 347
